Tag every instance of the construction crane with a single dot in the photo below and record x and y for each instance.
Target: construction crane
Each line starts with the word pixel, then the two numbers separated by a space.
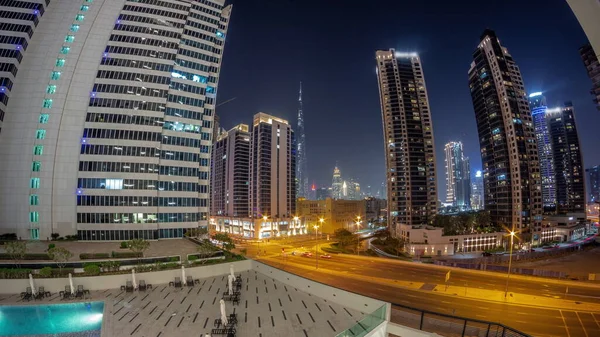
pixel 227 101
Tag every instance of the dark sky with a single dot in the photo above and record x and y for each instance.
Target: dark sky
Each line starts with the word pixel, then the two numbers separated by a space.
pixel 330 46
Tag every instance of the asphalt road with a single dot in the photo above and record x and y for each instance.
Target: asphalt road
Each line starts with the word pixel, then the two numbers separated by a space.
pixel 533 320
pixel 416 272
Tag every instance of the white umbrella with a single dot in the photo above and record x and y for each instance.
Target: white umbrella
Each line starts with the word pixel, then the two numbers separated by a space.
pixel 230 284
pixel 183 275
pixel 133 278
pixel 231 270
pixel 71 284
pixel 33 291
pixel 223 313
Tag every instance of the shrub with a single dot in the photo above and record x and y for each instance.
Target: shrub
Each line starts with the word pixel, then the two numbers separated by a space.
pixel 90 256
pixel 192 258
pixel 125 255
pixel 124 245
pixel 110 266
pixel 46 272
pixel 91 270
pixel 41 256
pixel 173 259
pixel 8 237
pixel 13 273
pixel 54 236
pixel 50 246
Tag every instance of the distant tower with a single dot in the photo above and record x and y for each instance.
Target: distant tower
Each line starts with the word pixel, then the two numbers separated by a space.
pixel 477 192
pixel 537 103
pixel 301 169
pixel 336 185
pixel 458 176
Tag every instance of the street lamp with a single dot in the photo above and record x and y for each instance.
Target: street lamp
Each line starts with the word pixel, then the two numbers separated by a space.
pixel 258 236
pixel 320 221
pixel 316 227
pixel 512 236
pixel 357 236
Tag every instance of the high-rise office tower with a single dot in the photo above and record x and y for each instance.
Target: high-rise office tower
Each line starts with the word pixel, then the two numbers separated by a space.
pixel 568 162
pixel 273 168
pixel 594 183
pixel 592 65
pixel 323 193
pixel 229 173
pixel 301 165
pixel 408 139
pixel 351 190
pixel 537 103
pixel 477 192
pixel 337 184
pixel 458 176
pixel 507 140
pixel 108 130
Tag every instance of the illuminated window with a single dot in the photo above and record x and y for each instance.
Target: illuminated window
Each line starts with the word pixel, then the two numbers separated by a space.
pixel 38 150
pixel 113 184
pixel 89 0
pixel 210 90
pixel 40 134
pixel 55 75
pixel 84 8
pixel 44 118
pixel 34 200
pixel 60 63
pixel 51 89
pixel 47 103
pixel 65 50
pixel 74 28
pixel 36 166
pixel 70 38
pixel 34 183
pixel 79 17
pixel 34 217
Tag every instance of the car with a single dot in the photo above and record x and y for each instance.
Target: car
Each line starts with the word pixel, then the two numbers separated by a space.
pixel 307 254
pixel 486 254
pixel 326 256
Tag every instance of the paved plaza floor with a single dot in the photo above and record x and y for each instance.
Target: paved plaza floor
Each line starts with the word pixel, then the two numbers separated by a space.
pixel 267 308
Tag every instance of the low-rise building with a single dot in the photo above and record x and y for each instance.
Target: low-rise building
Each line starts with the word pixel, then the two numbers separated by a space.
pixel 258 227
pixel 428 240
pixel 564 227
pixel 336 214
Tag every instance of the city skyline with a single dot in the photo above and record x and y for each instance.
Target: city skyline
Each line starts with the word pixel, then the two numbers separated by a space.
pixel 328 113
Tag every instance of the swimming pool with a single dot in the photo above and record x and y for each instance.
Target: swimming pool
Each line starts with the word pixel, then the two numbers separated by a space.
pixel 50 319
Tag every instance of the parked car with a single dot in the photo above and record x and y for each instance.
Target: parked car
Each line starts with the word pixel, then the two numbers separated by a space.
pixel 307 254
pixel 326 256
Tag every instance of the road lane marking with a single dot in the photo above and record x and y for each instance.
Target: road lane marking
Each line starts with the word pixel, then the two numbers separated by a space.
pixel 484 308
pixel 521 322
pixel 565 322
pixel 580 322
pixel 482 316
pixel 594 317
pixel 446 302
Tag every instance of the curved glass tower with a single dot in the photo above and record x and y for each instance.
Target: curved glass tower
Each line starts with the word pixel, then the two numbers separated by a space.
pixel 108 128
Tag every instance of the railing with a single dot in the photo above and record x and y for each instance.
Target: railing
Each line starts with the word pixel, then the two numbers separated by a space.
pixel 448 325
pixel 366 325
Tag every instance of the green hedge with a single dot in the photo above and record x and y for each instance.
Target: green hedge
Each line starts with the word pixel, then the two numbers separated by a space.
pixel 90 256
pixel 125 255
pixel 42 256
pixel 14 273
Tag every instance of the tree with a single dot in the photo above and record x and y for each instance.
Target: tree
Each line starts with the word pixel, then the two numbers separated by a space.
pixel 205 250
pixel 344 237
pixel 226 241
pixel 139 246
pixel 60 255
pixel 16 250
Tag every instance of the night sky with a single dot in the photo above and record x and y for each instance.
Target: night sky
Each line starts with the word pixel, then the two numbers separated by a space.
pixel 330 46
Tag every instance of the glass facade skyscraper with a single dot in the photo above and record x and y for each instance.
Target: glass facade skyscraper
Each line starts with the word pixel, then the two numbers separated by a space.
pixel 108 129
pixel 537 103
pixel 458 176
pixel 408 139
pixel 507 140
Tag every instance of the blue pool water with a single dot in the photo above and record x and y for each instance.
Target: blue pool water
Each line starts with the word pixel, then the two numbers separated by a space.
pixel 50 319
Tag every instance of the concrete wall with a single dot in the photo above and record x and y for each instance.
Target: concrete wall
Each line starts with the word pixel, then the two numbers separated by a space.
pixel 116 281
pixel 351 300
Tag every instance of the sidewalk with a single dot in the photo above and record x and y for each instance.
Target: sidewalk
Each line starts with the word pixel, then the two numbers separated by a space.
pixel 465 292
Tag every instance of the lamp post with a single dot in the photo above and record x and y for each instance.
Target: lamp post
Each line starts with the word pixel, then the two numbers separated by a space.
pixel 357 236
pixel 316 227
pixel 258 236
pixel 512 236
